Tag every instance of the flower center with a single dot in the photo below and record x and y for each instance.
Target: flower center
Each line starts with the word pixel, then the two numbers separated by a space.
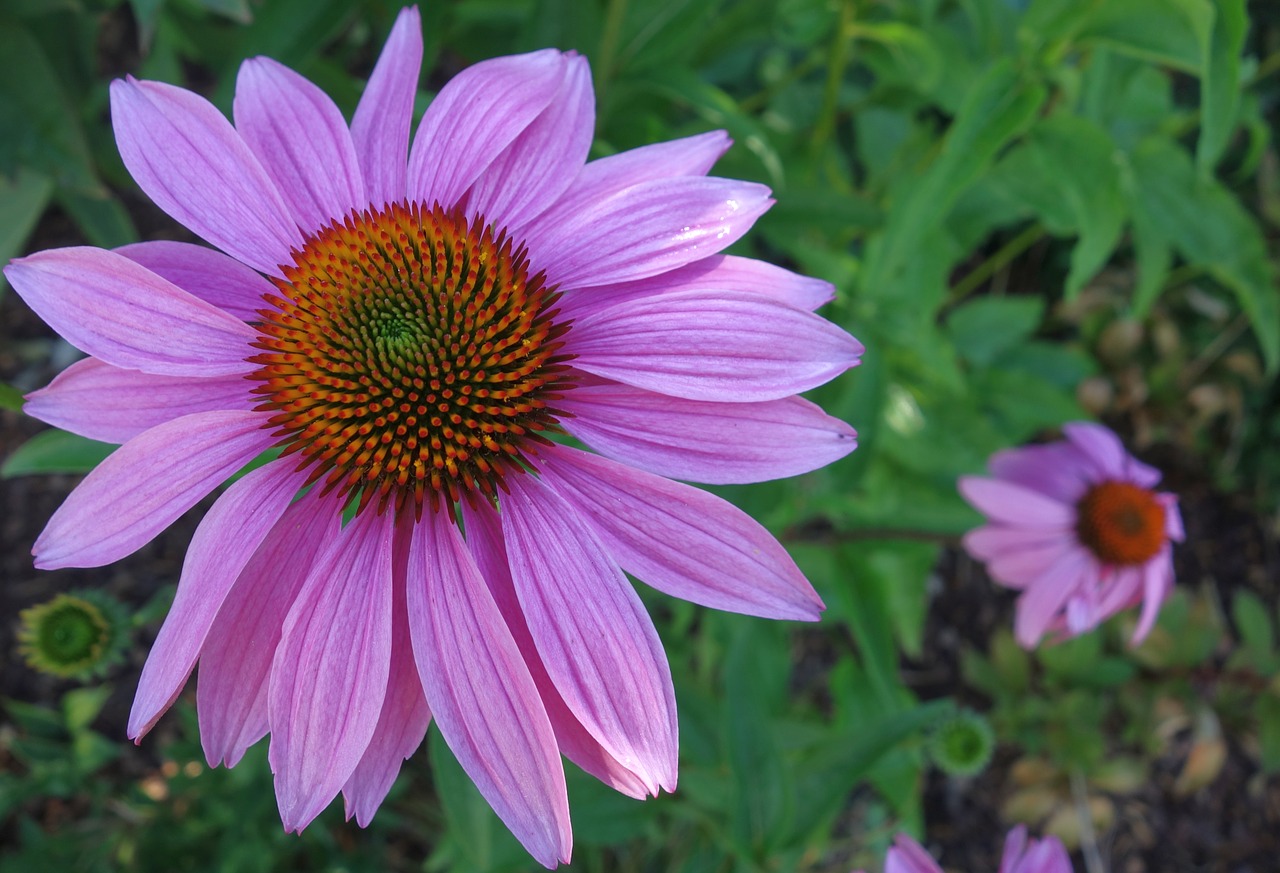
pixel 1121 523
pixel 410 357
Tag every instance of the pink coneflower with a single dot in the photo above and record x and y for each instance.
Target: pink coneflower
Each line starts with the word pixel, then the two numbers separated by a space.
pixel 1020 855
pixel 415 328
pixel 1075 526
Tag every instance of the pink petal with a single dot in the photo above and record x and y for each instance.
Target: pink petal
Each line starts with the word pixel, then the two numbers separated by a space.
pixel 601 179
pixel 108 306
pixel 107 403
pixel 703 441
pixel 1039 604
pixel 189 159
pixel 206 273
pixel 1014 844
pixel 475 117
pixel 1173 518
pixel 481 694
pixel 644 230
pixel 994 540
pixel 235 661
pixel 1101 448
pixel 143 486
pixel 223 543
pixel 908 856
pixel 539 164
pixel 716 273
pixel 592 632
pixel 1157 582
pixel 1012 504
pixel 302 140
pixel 380 128
pixel 329 676
pixel 1020 567
pixel 736 348
pixel 681 540
pixel 1057 470
pixel 486 543
pixel 405 715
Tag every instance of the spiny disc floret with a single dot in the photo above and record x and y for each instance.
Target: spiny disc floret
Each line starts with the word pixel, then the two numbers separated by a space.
pixel 1121 523
pixel 409 357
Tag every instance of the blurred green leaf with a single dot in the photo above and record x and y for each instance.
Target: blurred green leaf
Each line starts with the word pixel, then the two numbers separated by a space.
pixel 474 829
pixel 23 199
pixel 55 451
pixel 1211 229
pixel 985 328
pixel 1268 711
pixel 1173 32
pixel 42 132
pixel 10 398
pixel 1253 621
pixel 100 216
pixel 82 705
pixel 1220 82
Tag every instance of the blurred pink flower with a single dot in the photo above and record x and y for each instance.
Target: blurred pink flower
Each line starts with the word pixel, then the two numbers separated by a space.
pixel 1020 856
pixel 1076 527
pixel 408 323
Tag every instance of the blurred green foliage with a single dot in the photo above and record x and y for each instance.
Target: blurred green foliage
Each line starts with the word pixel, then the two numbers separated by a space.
pixel 990 184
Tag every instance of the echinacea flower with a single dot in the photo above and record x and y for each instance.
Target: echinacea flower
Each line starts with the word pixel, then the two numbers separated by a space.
pixel 1076 527
pixel 417 330
pixel 1020 855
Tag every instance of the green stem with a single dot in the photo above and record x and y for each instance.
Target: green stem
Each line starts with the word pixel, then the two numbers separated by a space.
pixel 994 264
pixel 836 59
pixel 614 15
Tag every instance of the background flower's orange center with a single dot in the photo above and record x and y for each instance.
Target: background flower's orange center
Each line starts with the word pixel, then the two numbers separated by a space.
pixel 409 357
pixel 1121 522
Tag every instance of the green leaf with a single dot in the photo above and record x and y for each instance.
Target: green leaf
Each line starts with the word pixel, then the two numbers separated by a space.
pixel 42 131
pixel 10 398
pixel 1211 229
pixel 1000 105
pixel 985 328
pixel 1171 32
pixel 1220 83
pixel 81 706
pixel 1067 173
pixel 55 451
pixel 1253 622
pixel 100 217
pixel 23 199
pixel 1268 710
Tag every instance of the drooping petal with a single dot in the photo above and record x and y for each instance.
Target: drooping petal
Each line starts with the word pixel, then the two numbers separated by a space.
pixel 235 662
pixel 1012 504
pixel 601 179
pixel 224 542
pixel 596 640
pixel 1173 518
pixel 111 404
pixel 405 715
pixel 481 694
pixel 1100 447
pixel 207 273
pixel 543 160
pixel 143 486
pixel 112 308
pixel 1157 580
pixel 380 127
pixel 1039 604
pixel 191 162
pixel 701 441
pixel 329 676
pixel 486 543
pixel 908 856
pixel 475 117
pixel 299 135
pixel 718 273
pixel 735 348
pixel 646 229
pixel 680 540
pixel 1056 470
pixel 1014 845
